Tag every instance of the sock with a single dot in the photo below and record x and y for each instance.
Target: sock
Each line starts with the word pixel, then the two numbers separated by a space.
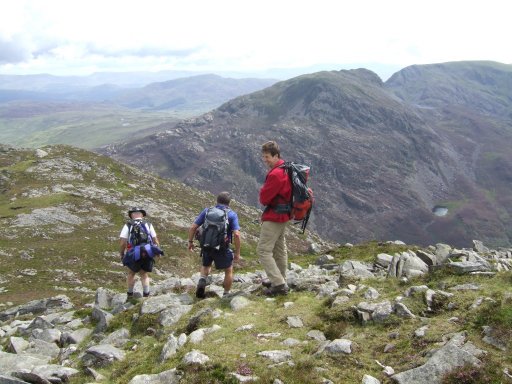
pixel 145 289
pixel 130 290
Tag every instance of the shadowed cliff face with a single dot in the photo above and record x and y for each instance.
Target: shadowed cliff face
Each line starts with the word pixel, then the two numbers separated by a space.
pixel 380 161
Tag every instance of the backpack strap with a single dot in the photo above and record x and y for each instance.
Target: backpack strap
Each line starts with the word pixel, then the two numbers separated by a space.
pixel 145 227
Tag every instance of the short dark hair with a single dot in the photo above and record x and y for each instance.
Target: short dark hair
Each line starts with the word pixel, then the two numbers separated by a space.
pixel 271 147
pixel 224 198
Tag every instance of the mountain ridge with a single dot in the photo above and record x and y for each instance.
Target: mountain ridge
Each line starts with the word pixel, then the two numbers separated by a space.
pixel 389 162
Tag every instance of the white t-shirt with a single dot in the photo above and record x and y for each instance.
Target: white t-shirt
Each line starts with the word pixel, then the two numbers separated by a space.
pixel 124 231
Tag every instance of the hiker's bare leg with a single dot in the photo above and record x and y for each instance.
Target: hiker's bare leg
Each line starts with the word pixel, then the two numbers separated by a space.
pixel 205 271
pixel 228 278
pixel 130 280
pixel 144 278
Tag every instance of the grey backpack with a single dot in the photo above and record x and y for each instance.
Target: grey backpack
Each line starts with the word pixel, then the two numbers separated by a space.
pixel 214 231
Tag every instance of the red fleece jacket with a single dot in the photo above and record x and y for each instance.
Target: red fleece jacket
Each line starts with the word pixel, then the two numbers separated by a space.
pixel 277 189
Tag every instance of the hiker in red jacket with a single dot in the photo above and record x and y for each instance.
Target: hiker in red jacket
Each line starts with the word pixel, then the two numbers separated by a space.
pixel 275 194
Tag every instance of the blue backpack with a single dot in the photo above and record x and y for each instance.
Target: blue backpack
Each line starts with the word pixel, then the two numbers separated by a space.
pixel 140 242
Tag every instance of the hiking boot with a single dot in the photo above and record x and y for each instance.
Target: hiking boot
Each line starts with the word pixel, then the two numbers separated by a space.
pixel 277 290
pixel 266 283
pixel 129 295
pixel 201 285
pixel 145 294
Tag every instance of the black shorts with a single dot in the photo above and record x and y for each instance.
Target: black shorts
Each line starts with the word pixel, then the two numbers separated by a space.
pixel 145 263
pixel 222 260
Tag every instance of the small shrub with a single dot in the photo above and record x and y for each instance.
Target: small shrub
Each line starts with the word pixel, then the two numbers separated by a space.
pixel 335 330
pixel 498 316
pixel 140 326
pixel 212 374
pixel 439 303
pixel 467 374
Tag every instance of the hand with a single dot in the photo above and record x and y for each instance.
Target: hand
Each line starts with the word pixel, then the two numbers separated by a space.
pixel 237 257
pixel 191 246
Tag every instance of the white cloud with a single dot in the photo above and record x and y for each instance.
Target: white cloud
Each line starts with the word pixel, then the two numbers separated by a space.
pixel 51 35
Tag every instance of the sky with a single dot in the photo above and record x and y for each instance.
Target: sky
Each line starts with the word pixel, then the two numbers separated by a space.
pixel 80 37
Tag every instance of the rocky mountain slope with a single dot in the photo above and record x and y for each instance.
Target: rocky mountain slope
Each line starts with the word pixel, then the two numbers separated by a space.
pixel 383 158
pixel 371 313
pixel 349 319
pixel 64 209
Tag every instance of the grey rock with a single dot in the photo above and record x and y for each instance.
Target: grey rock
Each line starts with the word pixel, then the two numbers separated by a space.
pixel 172 315
pixel 38 323
pixel 428 258
pixel 339 346
pixel 41 153
pixel 247 379
pixel 294 322
pixel 171 376
pixel 75 337
pixel 316 335
pixel 339 301
pixel 103 319
pixel 43 348
pixel 103 298
pixel 52 372
pixel 102 355
pixel 118 338
pixel 159 303
pixel 290 342
pixel 48 335
pixel 367 379
pixel 444 360
pixel 402 311
pixel 324 259
pixel 442 252
pixel 10 362
pixel 479 247
pixel 420 332
pixel 50 305
pixel 195 357
pixel 29 377
pixel 354 268
pixel 197 336
pixel 169 349
pixel 17 344
pixel 465 267
pixel 314 248
pixel 490 339
pixel 239 302
pixel 371 294
pixel 384 260
pixel 276 356
pixel 465 287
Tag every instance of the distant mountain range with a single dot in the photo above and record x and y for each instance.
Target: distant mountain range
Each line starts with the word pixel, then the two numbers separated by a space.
pixel 168 93
pixel 386 158
pixel 43 110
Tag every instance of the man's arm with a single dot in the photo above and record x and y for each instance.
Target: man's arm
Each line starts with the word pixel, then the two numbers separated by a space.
pixel 237 241
pixel 270 189
pixel 191 235
pixel 122 246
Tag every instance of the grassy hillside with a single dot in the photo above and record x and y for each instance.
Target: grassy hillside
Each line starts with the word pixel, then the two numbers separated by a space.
pixel 28 124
